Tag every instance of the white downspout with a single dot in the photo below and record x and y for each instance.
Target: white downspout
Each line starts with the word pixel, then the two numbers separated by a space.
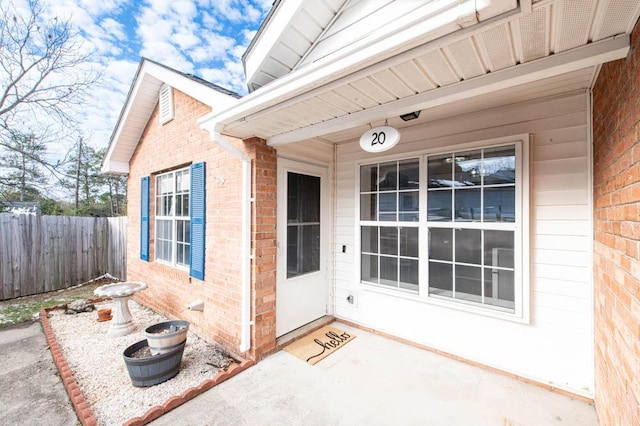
pixel 245 303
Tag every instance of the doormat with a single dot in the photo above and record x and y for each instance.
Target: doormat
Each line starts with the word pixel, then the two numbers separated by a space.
pixel 320 344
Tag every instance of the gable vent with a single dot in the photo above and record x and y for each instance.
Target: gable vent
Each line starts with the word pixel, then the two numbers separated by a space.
pixel 166 104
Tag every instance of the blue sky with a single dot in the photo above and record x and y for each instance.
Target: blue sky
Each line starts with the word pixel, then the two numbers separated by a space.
pixel 203 37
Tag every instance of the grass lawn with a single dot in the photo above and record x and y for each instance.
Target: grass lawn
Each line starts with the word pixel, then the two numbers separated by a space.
pixel 14 311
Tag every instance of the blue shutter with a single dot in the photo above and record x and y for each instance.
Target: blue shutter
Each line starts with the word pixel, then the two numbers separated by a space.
pixel 144 218
pixel 197 210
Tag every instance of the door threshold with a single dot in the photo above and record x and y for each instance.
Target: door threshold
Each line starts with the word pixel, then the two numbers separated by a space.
pixel 299 332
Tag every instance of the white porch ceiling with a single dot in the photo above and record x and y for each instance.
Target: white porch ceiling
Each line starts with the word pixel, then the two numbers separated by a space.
pixel 553 28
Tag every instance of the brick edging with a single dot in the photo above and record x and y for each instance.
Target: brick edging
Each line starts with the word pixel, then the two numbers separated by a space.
pixel 154 412
pixel 80 405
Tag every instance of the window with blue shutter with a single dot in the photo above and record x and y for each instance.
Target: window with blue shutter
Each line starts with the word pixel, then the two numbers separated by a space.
pixel 198 213
pixel 144 218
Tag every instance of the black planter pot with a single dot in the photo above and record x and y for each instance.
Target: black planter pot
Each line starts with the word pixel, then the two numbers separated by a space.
pixel 152 370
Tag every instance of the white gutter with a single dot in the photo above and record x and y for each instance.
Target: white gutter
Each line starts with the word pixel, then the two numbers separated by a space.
pixel 245 253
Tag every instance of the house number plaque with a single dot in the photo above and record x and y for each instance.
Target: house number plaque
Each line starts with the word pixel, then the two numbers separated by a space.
pixel 379 139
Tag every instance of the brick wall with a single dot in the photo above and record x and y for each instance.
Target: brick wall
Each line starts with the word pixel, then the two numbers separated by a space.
pixel 178 143
pixel 263 273
pixel 616 128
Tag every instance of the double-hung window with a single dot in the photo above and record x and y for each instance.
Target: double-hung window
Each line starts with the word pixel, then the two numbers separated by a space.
pixel 446 226
pixel 389 214
pixel 172 219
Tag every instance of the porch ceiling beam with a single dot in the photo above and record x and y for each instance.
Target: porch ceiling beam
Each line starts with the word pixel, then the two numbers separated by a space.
pixel 560 63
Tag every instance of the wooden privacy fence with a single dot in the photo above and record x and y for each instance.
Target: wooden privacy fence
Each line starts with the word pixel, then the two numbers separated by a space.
pixel 45 253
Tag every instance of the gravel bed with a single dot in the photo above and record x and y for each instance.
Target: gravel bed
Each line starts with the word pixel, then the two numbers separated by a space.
pixel 97 364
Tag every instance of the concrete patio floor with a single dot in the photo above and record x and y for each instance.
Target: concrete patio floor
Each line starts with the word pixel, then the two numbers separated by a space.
pixel 376 381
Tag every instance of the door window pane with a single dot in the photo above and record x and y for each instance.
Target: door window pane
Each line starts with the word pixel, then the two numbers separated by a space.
pixel 303 230
pixel 303 198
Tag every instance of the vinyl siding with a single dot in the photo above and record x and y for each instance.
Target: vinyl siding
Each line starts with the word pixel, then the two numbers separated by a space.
pixel 556 347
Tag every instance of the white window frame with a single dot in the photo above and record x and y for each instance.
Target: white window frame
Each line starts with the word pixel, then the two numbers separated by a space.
pixel 173 218
pixel 522 295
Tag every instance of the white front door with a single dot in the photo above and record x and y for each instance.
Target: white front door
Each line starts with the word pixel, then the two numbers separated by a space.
pixel 302 284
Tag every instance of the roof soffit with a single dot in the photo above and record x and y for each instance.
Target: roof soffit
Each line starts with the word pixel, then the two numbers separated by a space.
pixel 580 35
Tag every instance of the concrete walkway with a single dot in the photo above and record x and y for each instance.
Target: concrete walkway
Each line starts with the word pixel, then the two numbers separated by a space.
pixel 376 381
pixel 31 392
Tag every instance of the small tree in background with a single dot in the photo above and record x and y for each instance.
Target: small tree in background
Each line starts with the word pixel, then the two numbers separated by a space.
pixel 44 79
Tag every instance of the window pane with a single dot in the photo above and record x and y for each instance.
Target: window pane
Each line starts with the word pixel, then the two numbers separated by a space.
pixel 388 180
pixel 441 244
pixel 180 254
pixel 498 248
pixel 441 279
pixel 409 242
pixel 388 240
pixel 388 206
pixel 409 206
pixel 183 231
pixel 468 283
pixel 303 249
pixel 409 172
pixel 499 288
pixel 303 198
pixel 468 246
pixel 440 171
pixel 369 268
pixel 179 205
pixel 409 274
pixel 368 178
pixel 468 168
pixel 369 239
pixel 368 207
pixel 389 271
pixel 500 165
pixel 500 204
pixel 467 205
pixel 439 206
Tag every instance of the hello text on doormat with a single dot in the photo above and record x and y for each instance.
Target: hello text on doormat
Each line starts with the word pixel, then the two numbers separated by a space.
pixel 316 346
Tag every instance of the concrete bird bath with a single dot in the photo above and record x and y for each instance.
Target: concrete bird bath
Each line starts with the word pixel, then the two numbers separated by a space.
pixel 122 322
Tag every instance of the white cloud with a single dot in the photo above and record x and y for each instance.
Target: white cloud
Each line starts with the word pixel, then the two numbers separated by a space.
pixel 204 37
